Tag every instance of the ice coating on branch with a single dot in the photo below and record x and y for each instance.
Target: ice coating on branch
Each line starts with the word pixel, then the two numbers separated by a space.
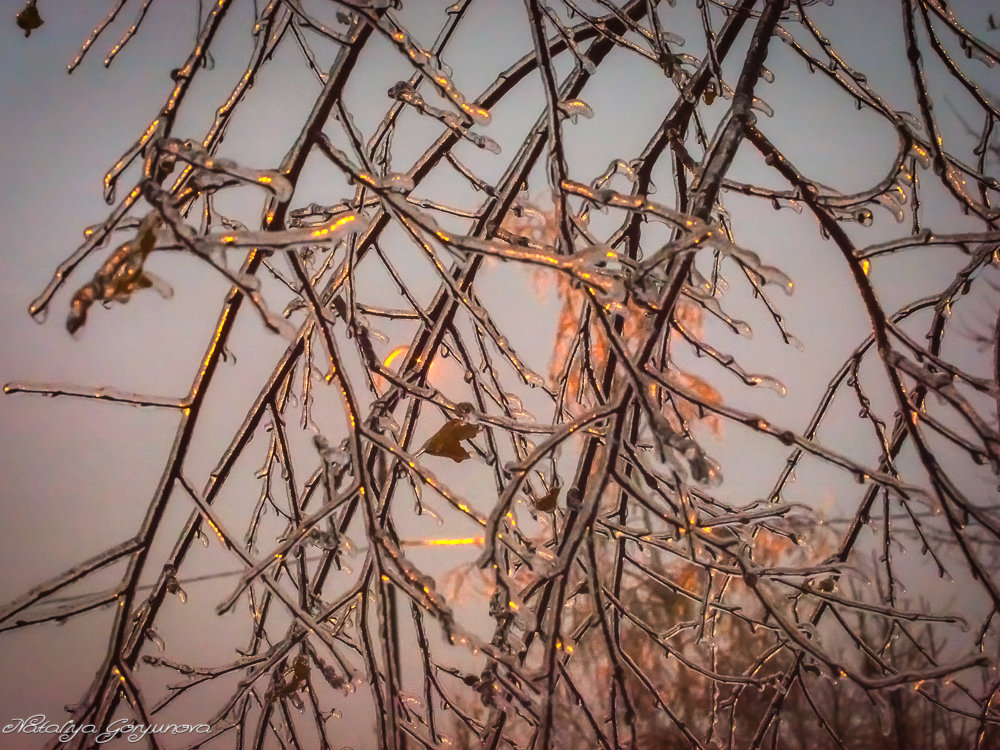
pixel 766 274
pixel 708 583
pixel 956 179
pixel 761 106
pixel 393 181
pixel 193 153
pixel 426 63
pixel 711 304
pixel 617 166
pixel 780 202
pixel 329 231
pixel 403 91
pixel 784 35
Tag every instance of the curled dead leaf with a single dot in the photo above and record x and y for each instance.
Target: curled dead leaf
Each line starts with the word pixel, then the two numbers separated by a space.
pixel 447 441
pixel 286 683
pixel 28 18
pixel 121 275
pixel 547 502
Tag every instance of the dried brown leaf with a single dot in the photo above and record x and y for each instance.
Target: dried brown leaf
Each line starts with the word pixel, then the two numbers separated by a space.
pixel 446 442
pixel 547 502
pixel 28 18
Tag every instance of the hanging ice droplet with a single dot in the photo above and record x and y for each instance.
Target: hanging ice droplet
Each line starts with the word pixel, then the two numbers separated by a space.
pixel 573 108
pixel 155 639
pixel 885 713
pixel 532 378
pixel 741 327
pixel 38 312
pixel 864 217
pixel 761 106
pixel 772 275
pixel 779 203
pixel 705 470
pixel 173 587
pixel 768 382
pixel 485 142
pixel 973 52
pixel 891 202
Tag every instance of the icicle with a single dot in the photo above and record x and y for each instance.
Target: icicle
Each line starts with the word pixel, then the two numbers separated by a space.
pixel 485 142
pixel 761 106
pixel 173 587
pixel 404 92
pixel 574 108
pixel 155 639
pixel 768 382
pixel 780 202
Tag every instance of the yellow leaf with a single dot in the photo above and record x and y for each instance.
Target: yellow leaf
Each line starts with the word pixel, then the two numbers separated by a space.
pixel 446 442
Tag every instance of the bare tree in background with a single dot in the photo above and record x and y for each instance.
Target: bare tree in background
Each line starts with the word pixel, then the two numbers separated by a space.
pixel 620 594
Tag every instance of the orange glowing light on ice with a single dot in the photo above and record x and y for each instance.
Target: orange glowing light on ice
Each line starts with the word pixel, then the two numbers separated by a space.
pixel 393 355
pixel 445 542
